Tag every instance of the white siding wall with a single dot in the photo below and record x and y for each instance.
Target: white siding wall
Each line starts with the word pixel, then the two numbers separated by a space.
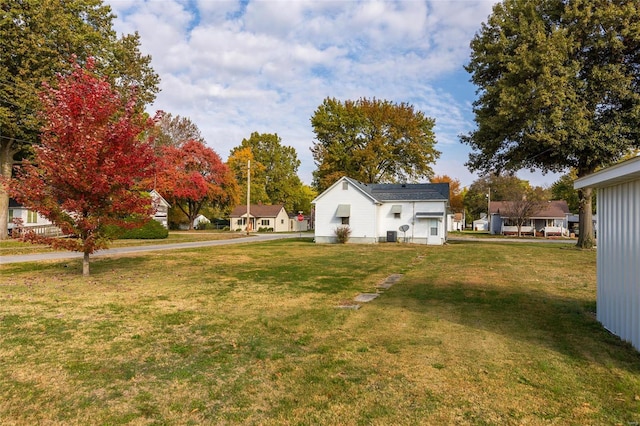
pixel 22 213
pixel 419 228
pixel 422 226
pixel 362 220
pixel 388 222
pixel 618 297
pixel 282 222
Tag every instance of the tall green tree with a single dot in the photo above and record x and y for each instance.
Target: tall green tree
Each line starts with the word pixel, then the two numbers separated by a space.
pixel 563 189
pixel 373 141
pixel 559 87
pixel 241 161
pixel 37 40
pixel 279 168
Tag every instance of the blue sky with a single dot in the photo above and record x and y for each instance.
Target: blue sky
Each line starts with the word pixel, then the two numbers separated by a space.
pixel 237 67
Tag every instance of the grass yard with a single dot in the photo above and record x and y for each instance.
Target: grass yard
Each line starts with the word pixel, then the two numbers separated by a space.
pixel 474 333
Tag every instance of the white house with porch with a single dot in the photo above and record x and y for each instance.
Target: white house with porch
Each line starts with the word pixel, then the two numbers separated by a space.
pixel 618 269
pixel 20 216
pixel 415 213
pixel 33 221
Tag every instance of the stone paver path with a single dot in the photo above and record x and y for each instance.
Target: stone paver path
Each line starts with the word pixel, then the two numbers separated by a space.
pixel 368 297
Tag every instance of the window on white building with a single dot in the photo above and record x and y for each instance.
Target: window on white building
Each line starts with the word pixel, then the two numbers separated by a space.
pixel 32 217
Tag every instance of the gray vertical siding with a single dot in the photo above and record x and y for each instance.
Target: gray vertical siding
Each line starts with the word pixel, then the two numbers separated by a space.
pixel 618 258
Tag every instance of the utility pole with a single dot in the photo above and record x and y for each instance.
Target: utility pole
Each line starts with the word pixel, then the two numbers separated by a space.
pixel 248 196
pixel 489 210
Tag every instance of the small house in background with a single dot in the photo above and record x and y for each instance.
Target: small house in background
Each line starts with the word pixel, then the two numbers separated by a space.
pixel 161 208
pixel 618 269
pixel 200 220
pixel 574 224
pixel 29 219
pixel 415 213
pixel 33 221
pixel 299 223
pixel 266 217
pixel 551 220
pixel 481 224
pixel 455 222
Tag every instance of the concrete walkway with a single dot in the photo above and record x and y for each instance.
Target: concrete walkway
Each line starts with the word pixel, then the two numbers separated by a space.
pixel 59 255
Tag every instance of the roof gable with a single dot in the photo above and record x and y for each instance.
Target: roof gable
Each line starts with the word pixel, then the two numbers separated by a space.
pixel 157 198
pixel 359 185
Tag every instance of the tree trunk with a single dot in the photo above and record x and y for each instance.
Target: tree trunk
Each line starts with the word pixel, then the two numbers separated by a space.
pixel 4 213
pixel 85 264
pixel 585 216
pixel 6 164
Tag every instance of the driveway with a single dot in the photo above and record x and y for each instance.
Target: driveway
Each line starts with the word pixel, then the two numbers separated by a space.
pixel 59 255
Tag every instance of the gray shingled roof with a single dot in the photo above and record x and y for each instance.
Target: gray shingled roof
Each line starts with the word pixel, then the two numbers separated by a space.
pixel 405 191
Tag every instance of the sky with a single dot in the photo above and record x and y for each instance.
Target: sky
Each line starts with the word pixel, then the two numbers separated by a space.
pixel 234 67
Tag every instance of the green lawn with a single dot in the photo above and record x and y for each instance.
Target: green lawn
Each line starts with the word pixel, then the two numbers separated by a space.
pixel 474 333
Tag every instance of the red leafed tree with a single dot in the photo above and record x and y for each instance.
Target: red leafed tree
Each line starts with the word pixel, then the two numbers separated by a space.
pixel 193 175
pixel 85 172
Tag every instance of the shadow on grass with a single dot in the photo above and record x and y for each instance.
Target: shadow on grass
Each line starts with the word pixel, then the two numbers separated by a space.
pixel 73 267
pixel 562 324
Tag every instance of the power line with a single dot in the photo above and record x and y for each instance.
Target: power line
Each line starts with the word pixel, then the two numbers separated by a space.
pixel 14 139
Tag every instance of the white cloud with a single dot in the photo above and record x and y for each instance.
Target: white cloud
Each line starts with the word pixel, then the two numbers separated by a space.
pixel 236 67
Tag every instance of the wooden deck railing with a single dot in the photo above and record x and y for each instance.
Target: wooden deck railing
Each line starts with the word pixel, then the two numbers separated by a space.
pixel 42 230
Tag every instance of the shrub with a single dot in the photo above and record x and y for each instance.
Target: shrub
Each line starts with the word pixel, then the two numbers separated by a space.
pixel 203 226
pixel 151 230
pixel 342 234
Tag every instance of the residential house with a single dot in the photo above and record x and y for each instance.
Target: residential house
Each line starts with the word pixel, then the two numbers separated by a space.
pixel 618 269
pixel 29 219
pixel 161 206
pixel 298 225
pixel 574 224
pixel 481 224
pixel 551 220
pixel 200 220
pixel 261 216
pixel 43 226
pixel 455 222
pixel 415 213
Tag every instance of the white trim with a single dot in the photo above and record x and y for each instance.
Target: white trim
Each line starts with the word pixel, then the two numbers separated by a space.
pixel 617 174
pixel 353 184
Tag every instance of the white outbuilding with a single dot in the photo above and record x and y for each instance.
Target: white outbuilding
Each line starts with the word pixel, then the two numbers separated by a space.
pixel 618 265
